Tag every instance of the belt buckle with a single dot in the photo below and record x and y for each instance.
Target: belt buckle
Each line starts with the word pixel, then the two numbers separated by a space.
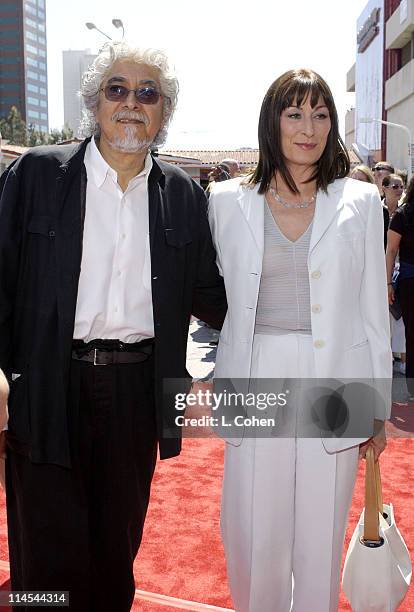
pixel 95 363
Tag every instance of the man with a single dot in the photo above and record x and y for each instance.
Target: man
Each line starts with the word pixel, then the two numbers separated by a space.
pixel 233 166
pixel 381 170
pixel 104 254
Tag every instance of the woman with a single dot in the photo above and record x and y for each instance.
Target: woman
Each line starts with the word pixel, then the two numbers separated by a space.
pixel 392 189
pixel 300 249
pixel 362 173
pixel 401 242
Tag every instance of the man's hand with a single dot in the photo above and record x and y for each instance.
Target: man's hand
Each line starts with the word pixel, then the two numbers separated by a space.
pixel 378 441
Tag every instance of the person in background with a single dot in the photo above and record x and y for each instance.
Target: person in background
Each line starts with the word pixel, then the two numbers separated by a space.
pixel 300 248
pixel 401 243
pixel 380 171
pixel 219 173
pixel 362 173
pixel 404 176
pixel 392 189
pixel 233 166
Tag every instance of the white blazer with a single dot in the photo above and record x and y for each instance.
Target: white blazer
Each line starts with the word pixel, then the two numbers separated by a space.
pixel 348 287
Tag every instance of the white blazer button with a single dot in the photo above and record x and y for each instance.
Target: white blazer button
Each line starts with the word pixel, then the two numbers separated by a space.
pixel 316 308
pixel 316 274
pixel 319 344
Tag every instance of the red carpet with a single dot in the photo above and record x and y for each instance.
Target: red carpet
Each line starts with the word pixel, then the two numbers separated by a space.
pixel 182 556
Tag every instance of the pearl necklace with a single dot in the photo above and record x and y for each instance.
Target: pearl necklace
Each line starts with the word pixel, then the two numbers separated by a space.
pixel 287 204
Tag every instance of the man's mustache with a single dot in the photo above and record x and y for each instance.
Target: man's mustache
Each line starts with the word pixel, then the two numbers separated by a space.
pixel 133 115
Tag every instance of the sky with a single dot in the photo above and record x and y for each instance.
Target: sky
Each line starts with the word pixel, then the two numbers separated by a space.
pixel 225 54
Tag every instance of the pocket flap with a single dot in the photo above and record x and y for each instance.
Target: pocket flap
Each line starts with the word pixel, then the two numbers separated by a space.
pixel 178 237
pixel 41 224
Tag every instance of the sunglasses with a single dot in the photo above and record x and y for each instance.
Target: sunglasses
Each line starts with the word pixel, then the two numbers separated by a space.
pixel 395 186
pixel 119 93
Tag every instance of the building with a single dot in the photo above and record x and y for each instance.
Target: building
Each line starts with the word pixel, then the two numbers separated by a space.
pixel 381 126
pixel 74 65
pixel 399 83
pixel 23 66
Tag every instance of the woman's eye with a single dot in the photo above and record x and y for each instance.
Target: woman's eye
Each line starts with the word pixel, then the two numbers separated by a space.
pixel 294 115
pixel 321 116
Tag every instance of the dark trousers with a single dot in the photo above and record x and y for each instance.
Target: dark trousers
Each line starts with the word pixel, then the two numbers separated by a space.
pixel 406 296
pixel 79 529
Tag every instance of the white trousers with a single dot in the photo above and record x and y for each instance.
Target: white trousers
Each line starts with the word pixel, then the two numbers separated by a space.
pixel 285 504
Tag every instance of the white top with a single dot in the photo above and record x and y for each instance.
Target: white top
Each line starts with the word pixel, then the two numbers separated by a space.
pixel 114 294
pixel 284 295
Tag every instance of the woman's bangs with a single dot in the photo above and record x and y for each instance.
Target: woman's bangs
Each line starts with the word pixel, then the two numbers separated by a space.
pixel 299 91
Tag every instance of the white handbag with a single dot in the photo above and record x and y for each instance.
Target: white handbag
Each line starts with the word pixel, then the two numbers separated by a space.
pixel 377 570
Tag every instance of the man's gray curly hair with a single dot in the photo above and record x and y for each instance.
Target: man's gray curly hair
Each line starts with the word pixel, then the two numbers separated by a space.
pixel 94 76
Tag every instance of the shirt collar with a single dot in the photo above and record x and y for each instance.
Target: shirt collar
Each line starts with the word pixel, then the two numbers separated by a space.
pixel 101 169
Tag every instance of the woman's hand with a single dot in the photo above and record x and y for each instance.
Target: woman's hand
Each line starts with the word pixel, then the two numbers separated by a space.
pixel 378 441
pixel 391 294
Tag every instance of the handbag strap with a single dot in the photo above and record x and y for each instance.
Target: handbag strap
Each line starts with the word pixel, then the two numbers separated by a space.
pixel 373 497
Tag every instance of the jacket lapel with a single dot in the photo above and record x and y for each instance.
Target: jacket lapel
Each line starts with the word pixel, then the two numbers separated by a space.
pixel 326 209
pixel 70 198
pixel 252 206
pixel 155 200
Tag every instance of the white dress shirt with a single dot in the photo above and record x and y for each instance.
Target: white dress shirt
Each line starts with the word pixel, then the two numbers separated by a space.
pixel 114 294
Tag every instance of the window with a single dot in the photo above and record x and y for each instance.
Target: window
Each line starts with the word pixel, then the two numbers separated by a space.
pixel 32 88
pixel 32 75
pixel 9 47
pixel 43 116
pixel 33 101
pixel 42 65
pixel 31 23
pixel 43 103
pixel 33 114
pixel 32 2
pixel 42 53
pixel 9 86
pixel 41 27
pixel 5 20
pixel 41 3
pixel 41 15
pixel 31 36
pixel 9 73
pixel 43 91
pixel 30 62
pixel 42 40
pixel 42 78
pixel 31 49
pixel 30 9
pixel 10 60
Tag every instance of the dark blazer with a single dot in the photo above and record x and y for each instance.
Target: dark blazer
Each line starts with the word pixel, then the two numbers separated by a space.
pixel 42 210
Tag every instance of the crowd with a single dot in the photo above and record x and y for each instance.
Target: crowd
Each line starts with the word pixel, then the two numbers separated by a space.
pixel 398 206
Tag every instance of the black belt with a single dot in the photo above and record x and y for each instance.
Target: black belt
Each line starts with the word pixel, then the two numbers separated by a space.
pixel 109 352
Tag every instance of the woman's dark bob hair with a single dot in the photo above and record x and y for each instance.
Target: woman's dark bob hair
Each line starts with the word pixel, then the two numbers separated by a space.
pixel 293 88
